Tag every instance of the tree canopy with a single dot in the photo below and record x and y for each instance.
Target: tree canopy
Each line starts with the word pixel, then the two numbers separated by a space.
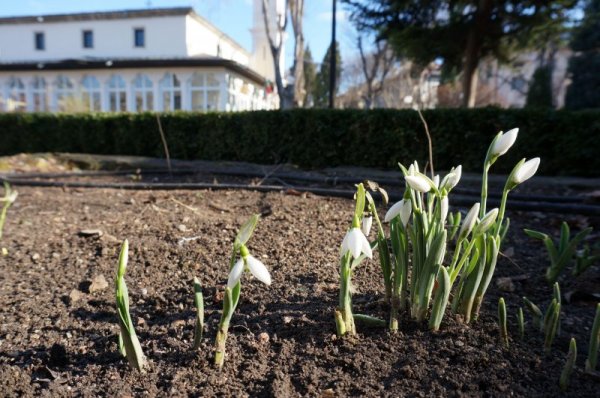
pixel 460 32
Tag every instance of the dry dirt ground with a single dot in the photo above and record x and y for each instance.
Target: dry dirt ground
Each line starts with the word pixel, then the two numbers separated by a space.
pixel 58 332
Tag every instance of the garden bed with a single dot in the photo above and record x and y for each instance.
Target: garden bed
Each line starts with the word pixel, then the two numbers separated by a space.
pixel 58 333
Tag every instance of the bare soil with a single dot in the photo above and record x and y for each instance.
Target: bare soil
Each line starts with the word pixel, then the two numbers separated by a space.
pixel 58 333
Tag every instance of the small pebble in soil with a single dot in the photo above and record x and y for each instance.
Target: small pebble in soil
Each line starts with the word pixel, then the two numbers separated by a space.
pixel 263 338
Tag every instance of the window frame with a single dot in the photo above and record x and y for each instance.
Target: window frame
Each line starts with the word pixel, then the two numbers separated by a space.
pixel 137 44
pixel 84 36
pixel 39 41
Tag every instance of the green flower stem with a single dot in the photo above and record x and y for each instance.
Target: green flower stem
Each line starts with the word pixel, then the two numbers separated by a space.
pixel 472 279
pixel 344 309
pixel 592 360
pixel 199 303
pixel 484 188
pixel 128 341
pixel 400 276
pixel 455 271
pixel 384 253
pixel 493 246
pixel 223 329
pixel 440 301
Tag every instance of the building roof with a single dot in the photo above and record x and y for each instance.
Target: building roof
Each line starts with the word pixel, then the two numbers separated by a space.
pixel 100 15
pixel 116 63
pixel 121 14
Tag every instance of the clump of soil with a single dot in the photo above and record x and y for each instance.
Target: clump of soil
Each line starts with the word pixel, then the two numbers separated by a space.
pixel 58 332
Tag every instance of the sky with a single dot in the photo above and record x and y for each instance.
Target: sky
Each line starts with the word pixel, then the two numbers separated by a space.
pixel 234 17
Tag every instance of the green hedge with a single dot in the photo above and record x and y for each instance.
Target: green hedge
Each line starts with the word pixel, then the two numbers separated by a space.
pixel 566 141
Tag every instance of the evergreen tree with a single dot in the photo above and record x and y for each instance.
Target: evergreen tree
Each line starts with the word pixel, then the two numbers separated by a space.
pixel 310 77
pixel 584 66
pixel 461 33
pixel 321 92
pixel 539 94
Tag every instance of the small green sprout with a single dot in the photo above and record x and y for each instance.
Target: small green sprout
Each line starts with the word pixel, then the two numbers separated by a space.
pixel 232 292
pixel 129 345
pixel 562 255
pixel 199 304
pixel 584 259
pixel 502 321
pixel 9 198
pixel 535 312
pixel 592 360
pixel 521 323
pixel 551 324
pixel 569 365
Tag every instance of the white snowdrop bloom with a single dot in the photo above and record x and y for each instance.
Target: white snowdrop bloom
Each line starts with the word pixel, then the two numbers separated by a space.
pixel 367 222
pixel 469 222
pixel 504 142
pixel 256 268
pixel 403 207
pixel 418 183
pixel 526 171
pixel 356 243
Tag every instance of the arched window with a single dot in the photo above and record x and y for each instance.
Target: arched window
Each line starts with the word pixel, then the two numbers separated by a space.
pixel 65 94
pixel 143 93
pixel 170 92
pixel 17 95
pixel 91 93
pixel 117 94
pixel 39 94
pixel 205 92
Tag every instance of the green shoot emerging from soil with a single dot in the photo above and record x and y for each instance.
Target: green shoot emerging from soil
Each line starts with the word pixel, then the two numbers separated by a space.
pixel 521 323
pixel 199 304
pixel 232 291
pixel 569 365
pixel 129 345
pixel 562 255
pixel 502 321
pixel 355 248
pixel 592 359
pixel 9 198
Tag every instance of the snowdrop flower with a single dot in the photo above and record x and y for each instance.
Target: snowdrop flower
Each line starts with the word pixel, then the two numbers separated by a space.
pixel 453 178
pixel 487 221
pixel 367 222
pixel 469 222
pixel 10 198
pixel 444 209
pixel 356 243
pixel 255 266
pixel 526 171
pixel 436 181
pixel 418 183
pixel 403 207
pixel 504 142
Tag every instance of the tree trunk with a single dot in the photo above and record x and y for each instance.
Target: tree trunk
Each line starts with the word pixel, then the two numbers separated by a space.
pixel 276 47
pixel 297 13
pixel 473 51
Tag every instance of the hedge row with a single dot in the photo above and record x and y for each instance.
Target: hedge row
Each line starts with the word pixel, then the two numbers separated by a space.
pixel 566 141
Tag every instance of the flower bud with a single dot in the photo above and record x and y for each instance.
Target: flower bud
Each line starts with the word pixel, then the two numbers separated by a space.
pixel 504 142
pixel 526 171
pixel 469 222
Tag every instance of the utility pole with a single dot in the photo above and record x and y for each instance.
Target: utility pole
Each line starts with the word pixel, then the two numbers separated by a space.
pixel 332 61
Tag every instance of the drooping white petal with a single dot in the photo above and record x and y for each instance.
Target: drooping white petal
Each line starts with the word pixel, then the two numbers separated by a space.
pixel 469 221
pixel 444 209
pixel 354 242
pixel 526 171
pixel 406 211
pixel 235 274
pixel 418 183
pixel 503 144
pixel 436 180
pixel 258 269
pixel 367 222
pixel 366 247
pixel 402 208
pixel 393 211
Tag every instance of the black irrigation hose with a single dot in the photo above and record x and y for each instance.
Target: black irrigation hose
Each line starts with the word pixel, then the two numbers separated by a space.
pixel 457 200
pixel 287 176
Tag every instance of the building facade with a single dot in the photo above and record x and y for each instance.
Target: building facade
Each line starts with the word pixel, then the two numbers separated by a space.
pixel 134 60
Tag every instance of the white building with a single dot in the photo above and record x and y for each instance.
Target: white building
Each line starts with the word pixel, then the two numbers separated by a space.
pixel 133 60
